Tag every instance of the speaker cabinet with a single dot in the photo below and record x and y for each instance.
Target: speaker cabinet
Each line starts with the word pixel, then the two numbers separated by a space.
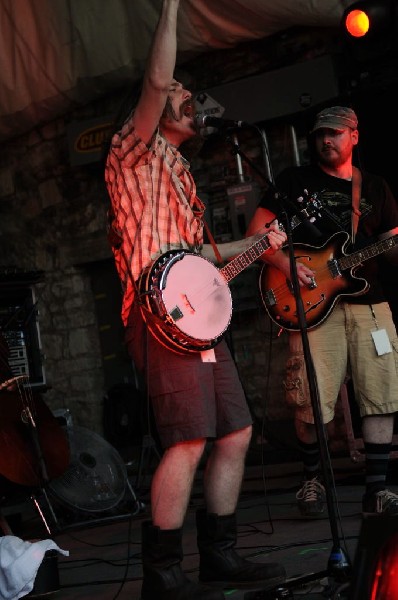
pixel 375 571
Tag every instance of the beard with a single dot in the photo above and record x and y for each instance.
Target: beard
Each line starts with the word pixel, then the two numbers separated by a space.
pixel 329 157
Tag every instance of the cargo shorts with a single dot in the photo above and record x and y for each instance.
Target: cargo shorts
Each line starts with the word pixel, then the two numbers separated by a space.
pixel 342 346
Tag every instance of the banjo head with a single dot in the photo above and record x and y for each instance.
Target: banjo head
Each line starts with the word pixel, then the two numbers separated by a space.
pixel 193 298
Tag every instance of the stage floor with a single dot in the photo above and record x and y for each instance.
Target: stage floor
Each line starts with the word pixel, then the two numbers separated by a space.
pixel 104 549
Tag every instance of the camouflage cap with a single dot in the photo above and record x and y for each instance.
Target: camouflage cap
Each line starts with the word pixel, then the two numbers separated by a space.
pixel 336 117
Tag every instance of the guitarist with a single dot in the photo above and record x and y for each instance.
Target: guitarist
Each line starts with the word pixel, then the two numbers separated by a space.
pixel 195 397
pixel 358 336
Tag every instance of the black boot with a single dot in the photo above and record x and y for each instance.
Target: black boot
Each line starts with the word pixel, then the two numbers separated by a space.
pixel 220 564
pixel 161 564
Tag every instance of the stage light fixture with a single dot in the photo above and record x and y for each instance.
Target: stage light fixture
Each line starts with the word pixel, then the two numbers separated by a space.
pixel 370 27
pixel 368 18
pixel 357 23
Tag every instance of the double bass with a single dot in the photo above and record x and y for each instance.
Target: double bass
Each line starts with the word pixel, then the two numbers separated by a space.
pixel 33 446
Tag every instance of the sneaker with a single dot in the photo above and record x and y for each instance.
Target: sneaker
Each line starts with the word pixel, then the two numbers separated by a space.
pixel 311 498
pixel 384 502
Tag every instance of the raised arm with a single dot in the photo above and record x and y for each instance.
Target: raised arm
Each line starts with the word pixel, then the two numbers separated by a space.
pixel 159 71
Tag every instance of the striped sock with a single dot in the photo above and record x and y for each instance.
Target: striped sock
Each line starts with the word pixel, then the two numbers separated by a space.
pixel 311 459
pixel 376 465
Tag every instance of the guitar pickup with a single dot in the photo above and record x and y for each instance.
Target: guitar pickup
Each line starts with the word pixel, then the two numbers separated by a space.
pixel 334 268
pixel 269 298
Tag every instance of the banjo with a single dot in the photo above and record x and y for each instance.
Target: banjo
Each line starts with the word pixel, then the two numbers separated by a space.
pixel 186 299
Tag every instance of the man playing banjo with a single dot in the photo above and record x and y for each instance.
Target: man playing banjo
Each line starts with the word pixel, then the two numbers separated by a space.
pixel 196 395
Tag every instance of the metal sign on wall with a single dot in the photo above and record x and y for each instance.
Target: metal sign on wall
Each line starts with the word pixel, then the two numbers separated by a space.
pixel 206 105
pixel 86 139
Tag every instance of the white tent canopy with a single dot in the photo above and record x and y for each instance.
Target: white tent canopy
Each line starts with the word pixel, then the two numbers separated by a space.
pixel 56 54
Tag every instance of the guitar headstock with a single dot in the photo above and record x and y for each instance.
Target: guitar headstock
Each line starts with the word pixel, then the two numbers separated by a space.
pixel 310 206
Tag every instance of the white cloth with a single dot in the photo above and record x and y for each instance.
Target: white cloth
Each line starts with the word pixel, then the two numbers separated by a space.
pixel 19 563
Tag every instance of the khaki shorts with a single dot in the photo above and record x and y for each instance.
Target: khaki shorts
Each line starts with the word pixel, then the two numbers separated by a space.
pixel 343 346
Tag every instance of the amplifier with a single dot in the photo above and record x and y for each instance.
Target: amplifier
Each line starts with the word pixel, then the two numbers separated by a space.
pixel 20 329
pixel 18 358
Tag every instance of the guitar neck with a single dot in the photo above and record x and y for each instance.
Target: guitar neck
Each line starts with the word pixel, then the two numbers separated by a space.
pixel 246 258
pixel 355 259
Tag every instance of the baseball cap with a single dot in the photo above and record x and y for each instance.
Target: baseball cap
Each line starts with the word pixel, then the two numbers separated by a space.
pixel 336 117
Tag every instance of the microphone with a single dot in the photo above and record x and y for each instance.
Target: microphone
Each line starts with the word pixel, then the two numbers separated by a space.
pixel 209 121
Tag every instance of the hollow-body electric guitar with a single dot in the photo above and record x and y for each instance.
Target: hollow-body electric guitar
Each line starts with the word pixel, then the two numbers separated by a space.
pixel 334 278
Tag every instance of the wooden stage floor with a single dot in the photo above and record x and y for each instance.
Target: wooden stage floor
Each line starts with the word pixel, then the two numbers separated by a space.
pixel 104 549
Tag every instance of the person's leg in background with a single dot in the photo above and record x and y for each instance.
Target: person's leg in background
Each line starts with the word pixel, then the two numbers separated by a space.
pixel 328 349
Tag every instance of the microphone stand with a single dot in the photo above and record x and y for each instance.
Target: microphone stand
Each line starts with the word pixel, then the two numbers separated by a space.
pixel 338 564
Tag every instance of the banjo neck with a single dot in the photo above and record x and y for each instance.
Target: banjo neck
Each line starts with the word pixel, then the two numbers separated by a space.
pixel 246 258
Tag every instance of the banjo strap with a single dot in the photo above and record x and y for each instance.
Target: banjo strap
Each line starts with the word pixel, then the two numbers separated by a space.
pixel 213 243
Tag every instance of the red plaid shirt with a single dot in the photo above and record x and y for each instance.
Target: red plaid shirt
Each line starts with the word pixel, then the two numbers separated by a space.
pixel 154 204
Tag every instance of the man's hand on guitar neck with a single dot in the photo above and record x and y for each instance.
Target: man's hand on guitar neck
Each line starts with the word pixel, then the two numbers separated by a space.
pixel 276 237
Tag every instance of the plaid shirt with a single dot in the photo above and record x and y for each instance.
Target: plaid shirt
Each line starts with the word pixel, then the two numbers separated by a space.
pixel 154 206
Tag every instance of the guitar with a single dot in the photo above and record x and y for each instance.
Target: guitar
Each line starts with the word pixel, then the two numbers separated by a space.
pixel 185 299
pixel 334 279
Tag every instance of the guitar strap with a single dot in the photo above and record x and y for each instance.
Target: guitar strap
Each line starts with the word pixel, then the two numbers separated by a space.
pixel 356 196
pixel 213 243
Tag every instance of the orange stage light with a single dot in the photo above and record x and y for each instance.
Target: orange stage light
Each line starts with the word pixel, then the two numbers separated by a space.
pixel 357 23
